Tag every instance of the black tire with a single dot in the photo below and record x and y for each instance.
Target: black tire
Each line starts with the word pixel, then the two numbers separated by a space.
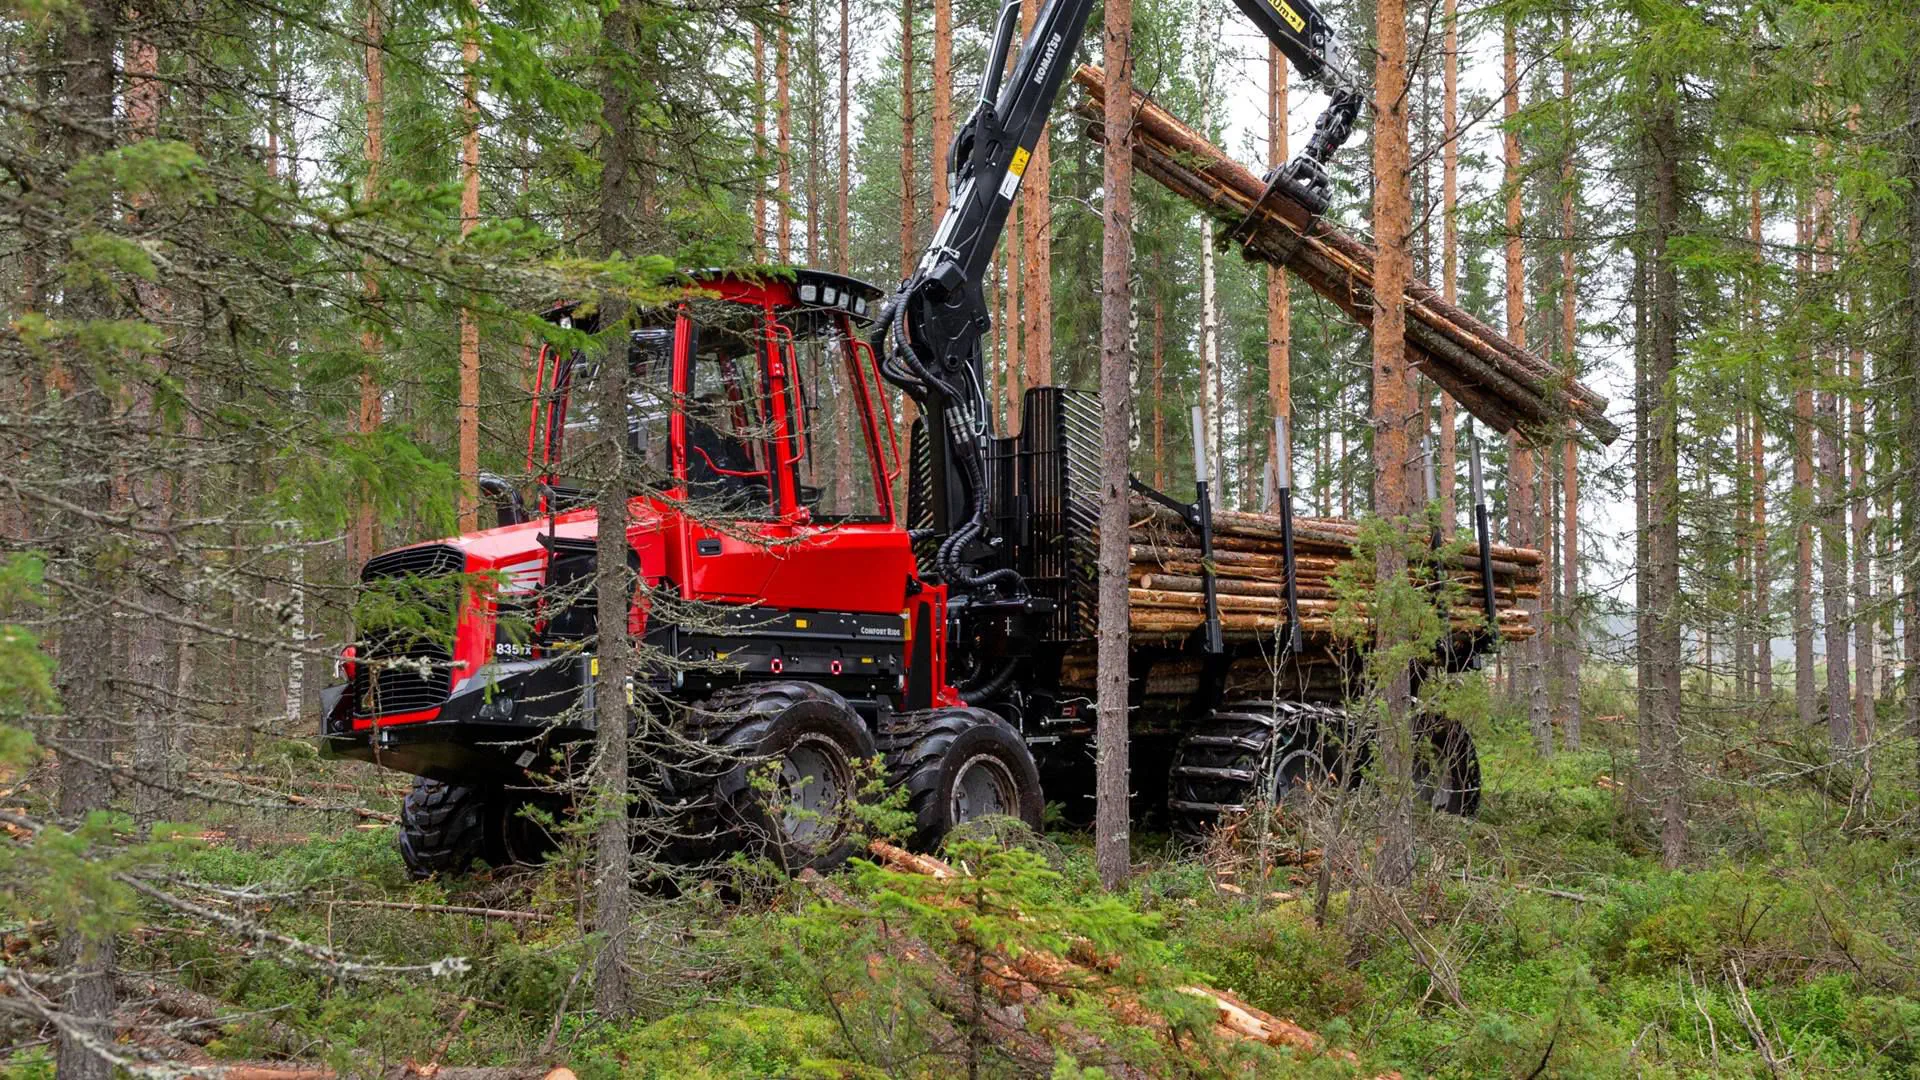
pixel 812 743
pixel 1446 767
pixel 960 765
pixel 444 828
pixel 1250 753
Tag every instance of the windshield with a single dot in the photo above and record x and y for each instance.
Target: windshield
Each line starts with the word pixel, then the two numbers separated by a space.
pixel 835 472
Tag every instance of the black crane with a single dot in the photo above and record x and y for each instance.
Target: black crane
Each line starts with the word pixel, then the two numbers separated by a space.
pixel 930 331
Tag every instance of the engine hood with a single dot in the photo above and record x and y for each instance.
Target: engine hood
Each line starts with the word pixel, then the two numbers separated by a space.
pixel 520 551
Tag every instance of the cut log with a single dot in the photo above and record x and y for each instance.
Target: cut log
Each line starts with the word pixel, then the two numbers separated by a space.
pixel 1504 385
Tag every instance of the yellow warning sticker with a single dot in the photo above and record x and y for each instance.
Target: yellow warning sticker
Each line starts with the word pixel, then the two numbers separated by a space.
pixel 1010 183
pixel 1293 17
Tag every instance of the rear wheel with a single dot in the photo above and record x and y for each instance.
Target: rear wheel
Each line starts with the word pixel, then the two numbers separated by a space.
pixel 1248 754
pixel 1446 767
pixel 960 765
pixel 791 789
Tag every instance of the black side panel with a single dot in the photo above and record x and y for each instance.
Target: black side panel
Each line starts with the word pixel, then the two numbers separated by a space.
pixel 1060 464
pixel 920 494
pixel 920 660
pixel 568 602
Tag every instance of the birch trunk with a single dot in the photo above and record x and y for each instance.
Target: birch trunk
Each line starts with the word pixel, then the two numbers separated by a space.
pixel 1664 477
pixel 1831 493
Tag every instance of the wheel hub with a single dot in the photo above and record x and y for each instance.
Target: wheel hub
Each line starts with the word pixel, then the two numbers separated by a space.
pixel 983 787
pixel 813 782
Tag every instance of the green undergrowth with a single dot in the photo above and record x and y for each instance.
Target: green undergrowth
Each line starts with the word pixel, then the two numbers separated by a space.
pixel 1542 939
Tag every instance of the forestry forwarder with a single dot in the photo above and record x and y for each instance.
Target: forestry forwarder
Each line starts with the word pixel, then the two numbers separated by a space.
pixel 829 631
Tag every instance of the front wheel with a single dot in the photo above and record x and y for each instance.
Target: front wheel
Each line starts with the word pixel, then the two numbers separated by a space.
pixel 446 828
pixel 443 829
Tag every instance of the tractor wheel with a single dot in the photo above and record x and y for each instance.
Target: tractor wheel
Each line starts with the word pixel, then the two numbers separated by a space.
pixel 444 828
pixel 1446 767
pixel 960 765
pixel 794 773
pixel 1248 754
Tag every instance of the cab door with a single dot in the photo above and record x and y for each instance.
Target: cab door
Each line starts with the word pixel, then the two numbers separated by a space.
pixel 727 452
pixel 840 547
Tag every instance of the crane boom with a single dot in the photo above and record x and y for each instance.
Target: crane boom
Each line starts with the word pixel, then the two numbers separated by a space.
pixel 930 331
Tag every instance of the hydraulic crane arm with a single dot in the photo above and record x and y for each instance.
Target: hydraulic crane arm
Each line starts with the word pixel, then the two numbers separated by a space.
pixel 930 331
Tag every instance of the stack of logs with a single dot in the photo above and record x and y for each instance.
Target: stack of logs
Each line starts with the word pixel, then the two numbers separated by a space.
pixel 1166 601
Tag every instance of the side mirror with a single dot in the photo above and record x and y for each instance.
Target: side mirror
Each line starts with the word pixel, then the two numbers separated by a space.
pixel 508 507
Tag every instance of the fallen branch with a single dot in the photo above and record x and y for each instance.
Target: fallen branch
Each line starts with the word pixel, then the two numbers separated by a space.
pixel 1521 886
pixel 446 909
pixel 180 1002
pixel 1025 978
pixel 1005 1027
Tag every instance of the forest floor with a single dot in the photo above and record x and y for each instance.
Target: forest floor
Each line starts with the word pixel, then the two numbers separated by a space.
pixel 1541 939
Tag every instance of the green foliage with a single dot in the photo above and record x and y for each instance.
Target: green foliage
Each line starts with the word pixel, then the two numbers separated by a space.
pixel 733 1041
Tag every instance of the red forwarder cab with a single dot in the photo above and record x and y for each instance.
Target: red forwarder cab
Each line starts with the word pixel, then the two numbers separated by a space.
pixel 759 414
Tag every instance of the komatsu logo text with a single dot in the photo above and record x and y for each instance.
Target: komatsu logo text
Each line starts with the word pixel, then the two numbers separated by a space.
pixel 1046 59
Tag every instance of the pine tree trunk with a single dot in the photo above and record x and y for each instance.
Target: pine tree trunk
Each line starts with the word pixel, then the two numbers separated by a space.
pixel 1035 208
pixel 783 135
pixel 1112 841
pixel 1449 252
pixel 613 582
pixel 1010 323
pixel 1831 493
pixel 367 418
pixel 1567 633
pixel 1805 705
pixel 843 252
pixel 1393 418
pixel 907 209
pixel 1279 314
pixel 1529 681
pixel 1664 476
pixel 942 102
pixel 469 325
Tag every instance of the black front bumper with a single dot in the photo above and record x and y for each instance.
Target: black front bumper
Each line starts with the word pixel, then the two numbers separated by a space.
pixel 497 726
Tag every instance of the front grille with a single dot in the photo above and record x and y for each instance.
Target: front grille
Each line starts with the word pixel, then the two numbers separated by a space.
pixel 1060 453
pixel 406 612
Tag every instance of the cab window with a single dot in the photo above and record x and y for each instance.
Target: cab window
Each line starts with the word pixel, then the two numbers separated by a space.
pixel 729 412
pixel 580 461
pixel 834 460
